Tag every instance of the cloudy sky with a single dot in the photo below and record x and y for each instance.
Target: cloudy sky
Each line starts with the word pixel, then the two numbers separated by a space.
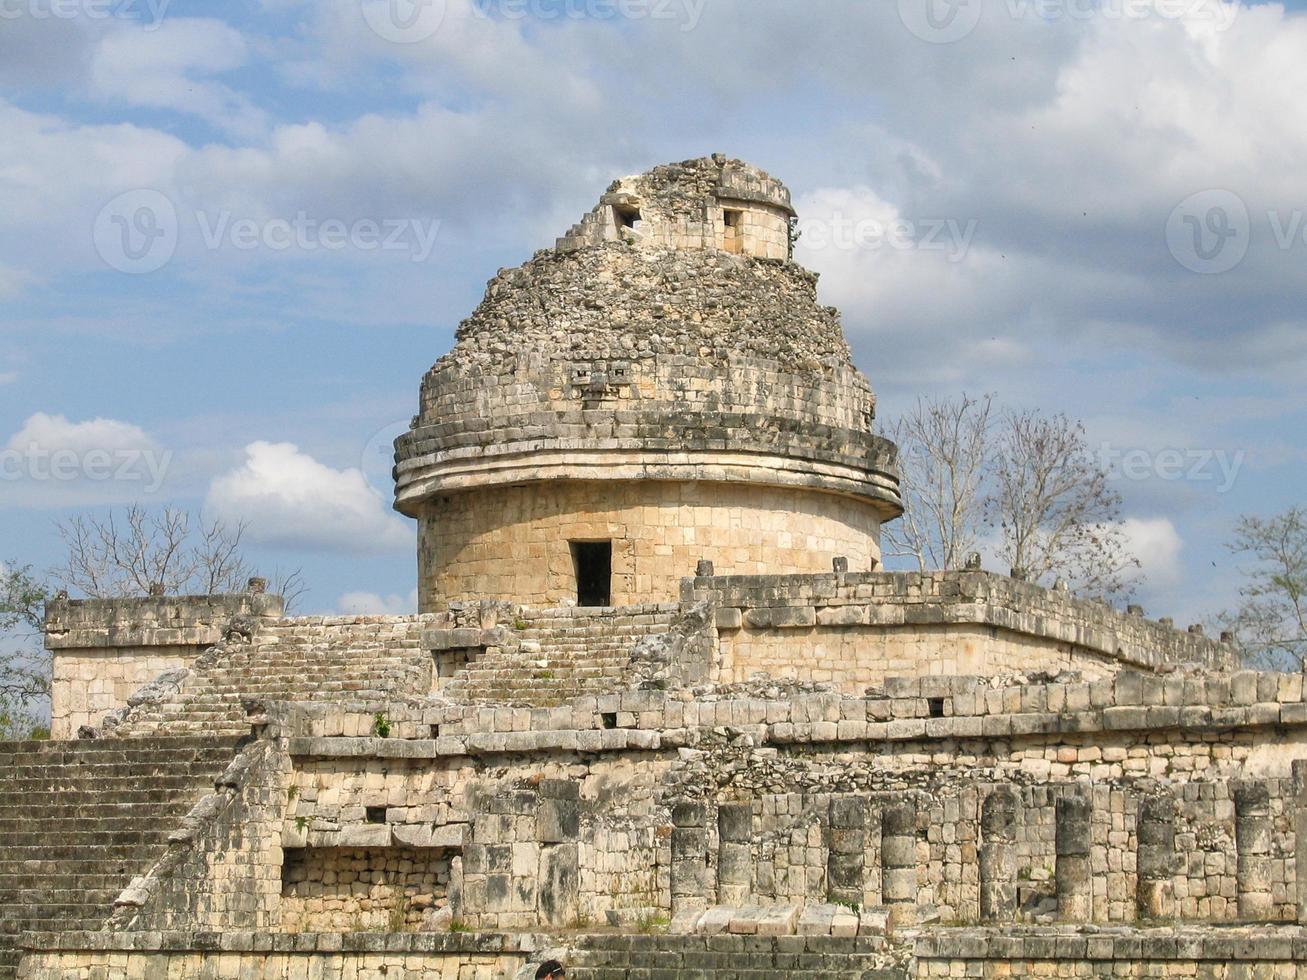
pixel 233 236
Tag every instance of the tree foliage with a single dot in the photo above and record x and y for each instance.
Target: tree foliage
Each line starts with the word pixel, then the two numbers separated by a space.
pixel 136 550
pixel 1270 623
pixel 1056 511
pixel 943 447
pixel 24 670
pixel 1020 484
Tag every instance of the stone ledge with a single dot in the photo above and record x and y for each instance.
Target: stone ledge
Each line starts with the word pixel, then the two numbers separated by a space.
pixel 145 621
pixel 884 600
pixel 303 942
pixel 1210 943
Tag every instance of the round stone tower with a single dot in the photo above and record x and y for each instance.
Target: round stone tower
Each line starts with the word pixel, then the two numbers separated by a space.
pixel 659 389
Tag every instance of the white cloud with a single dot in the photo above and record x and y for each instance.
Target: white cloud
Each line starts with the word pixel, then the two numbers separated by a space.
pixel 53 433
pixel 913 276
pixel 292 500
pixel 1157 544
pixel 54 462
pixel 372 604
pixel 169 68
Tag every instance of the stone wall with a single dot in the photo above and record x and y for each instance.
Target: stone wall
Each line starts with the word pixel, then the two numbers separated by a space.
pixel 269 956
pixel 854 630
pixel 222 869
pixel 104 650
pixel 1236 954
pixel 1134 799
pixel 816 797
pixel 512 543
pixel 360 890
pixel 1247 954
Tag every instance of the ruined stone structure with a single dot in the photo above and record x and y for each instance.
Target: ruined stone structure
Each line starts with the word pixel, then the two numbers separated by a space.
pixel 662 388
pixel 661 713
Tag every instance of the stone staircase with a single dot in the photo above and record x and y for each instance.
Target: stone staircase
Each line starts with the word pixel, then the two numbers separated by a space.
pixel 728 957
pixel 558 654
pixel 79 819
pixel 368 658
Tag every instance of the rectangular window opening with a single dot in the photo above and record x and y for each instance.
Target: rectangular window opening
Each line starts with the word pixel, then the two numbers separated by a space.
pixel 375 814
pixel 593 564
pixel 733 220
pixel 628 218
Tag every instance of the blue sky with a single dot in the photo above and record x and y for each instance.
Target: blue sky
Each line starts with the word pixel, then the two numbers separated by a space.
pixel 1002 198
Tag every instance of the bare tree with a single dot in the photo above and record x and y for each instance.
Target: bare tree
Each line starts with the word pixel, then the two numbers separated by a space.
pixel 132 552
pixel 1271 623
pixel 219 565
pixel 1057 514
pixel 943 447
pixel 289 584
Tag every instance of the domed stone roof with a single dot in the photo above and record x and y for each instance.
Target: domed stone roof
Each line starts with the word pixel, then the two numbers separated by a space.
pixel 667 336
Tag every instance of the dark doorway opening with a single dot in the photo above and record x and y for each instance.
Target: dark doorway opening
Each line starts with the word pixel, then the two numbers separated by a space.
pixel 593 562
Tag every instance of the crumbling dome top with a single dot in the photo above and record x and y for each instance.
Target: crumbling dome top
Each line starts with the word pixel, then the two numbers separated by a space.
pixel 667 336
pixel 711 202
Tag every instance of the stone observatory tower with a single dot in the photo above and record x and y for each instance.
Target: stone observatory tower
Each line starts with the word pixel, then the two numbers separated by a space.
pixel 660 388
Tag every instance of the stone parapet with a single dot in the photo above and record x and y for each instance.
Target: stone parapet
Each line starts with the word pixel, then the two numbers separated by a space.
pixel 910 709
pixel 98 624
pixel 1254 952
pixel 273 956
pixel 795 611
pixel 106 650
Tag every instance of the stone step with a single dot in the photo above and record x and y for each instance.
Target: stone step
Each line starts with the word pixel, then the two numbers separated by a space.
pixel 727 956
pixel 79 819
pixel 295 660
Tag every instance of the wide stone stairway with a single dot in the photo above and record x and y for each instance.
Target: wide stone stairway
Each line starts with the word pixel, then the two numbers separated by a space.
pixel 364 659
pixel 560 654
pixel 79 819
pixel 728 957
